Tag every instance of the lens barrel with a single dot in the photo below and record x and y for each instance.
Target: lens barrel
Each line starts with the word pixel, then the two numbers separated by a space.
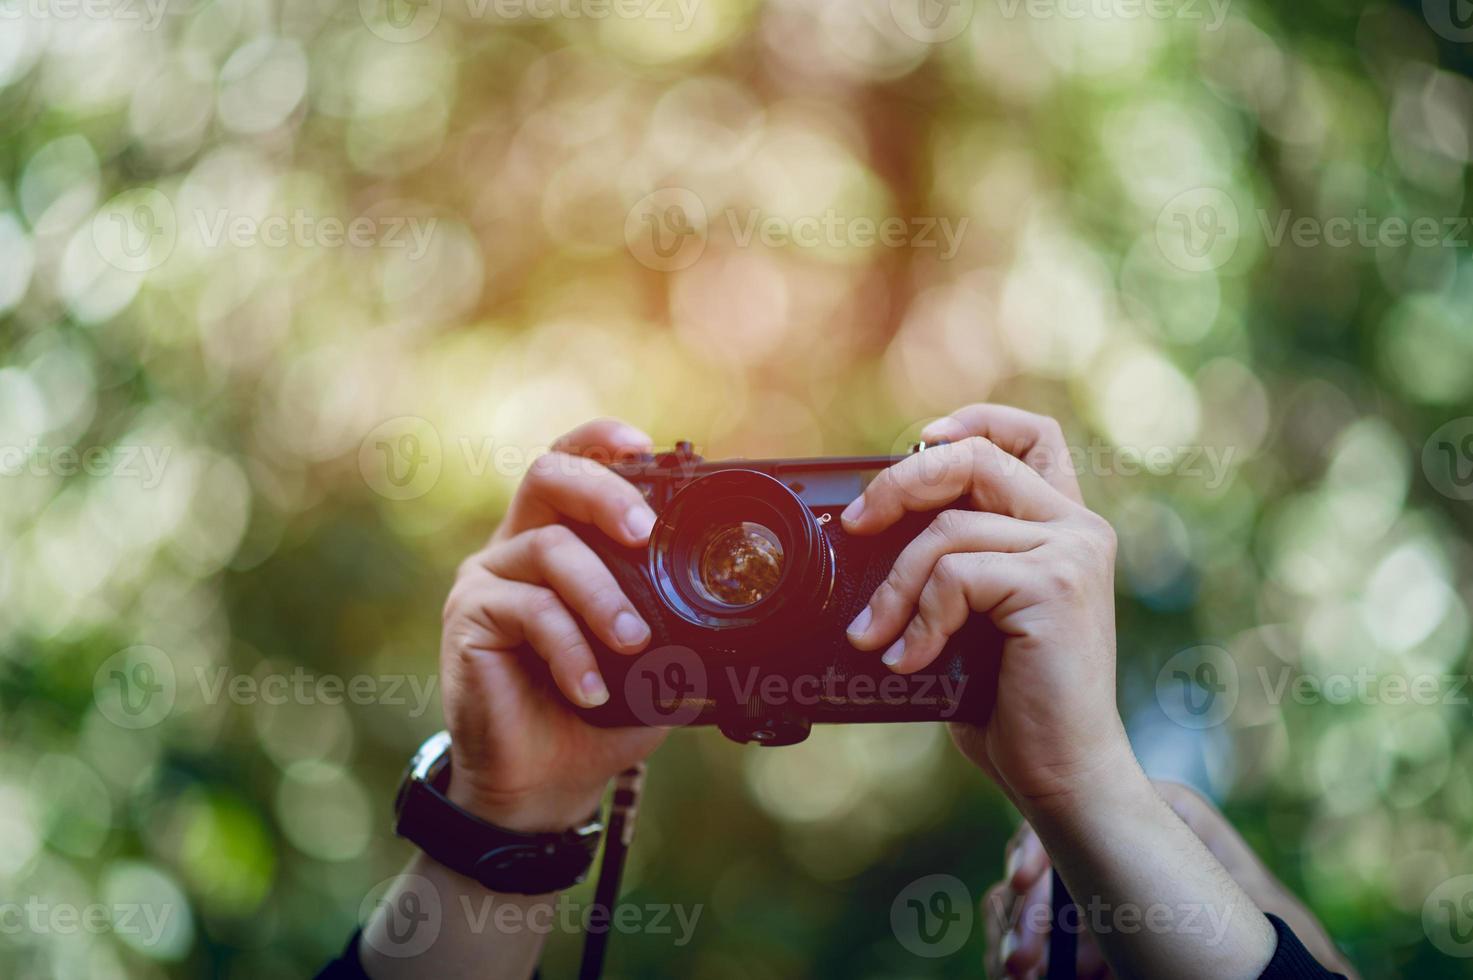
pixel 737 550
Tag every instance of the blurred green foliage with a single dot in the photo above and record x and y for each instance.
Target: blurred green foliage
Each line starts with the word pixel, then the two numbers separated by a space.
pixel 291 293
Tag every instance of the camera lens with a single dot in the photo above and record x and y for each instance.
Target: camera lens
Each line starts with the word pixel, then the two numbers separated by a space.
pixel 740 564
pixel 737 550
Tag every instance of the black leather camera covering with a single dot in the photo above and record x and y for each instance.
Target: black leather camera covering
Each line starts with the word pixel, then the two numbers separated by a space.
pixel 770 687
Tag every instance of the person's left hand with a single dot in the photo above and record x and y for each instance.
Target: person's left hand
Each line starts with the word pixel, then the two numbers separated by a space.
pixel 1034 559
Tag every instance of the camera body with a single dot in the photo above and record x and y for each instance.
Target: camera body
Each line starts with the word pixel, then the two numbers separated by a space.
pixel 748 583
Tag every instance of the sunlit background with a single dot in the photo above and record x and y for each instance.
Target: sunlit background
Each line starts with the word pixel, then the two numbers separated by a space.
pixel 291 294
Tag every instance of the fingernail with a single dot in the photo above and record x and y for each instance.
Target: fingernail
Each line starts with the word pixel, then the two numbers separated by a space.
pixel 628 435
pixel 852 512
pixel 894 655
pixel 630 630
pixel 1029 849
pixel 638 522
pixel 594 692
pixel 861 622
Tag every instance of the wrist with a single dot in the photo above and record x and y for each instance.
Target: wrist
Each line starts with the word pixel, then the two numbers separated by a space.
pixel 1110 781
pixel 543 810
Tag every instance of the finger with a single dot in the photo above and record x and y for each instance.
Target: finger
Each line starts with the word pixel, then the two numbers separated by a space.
pixel 995 908
pixel 986 582
pixel 553 555
pixel 560 485
pixel 604 440
pixel 520 613
pixel 952 531
pixel 1027 861
pixel 1030 932
pixel 991 480
pixel 1038 440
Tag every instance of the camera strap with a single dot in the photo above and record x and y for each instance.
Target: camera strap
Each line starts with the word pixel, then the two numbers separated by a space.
pixel 1063 939
pixel 623 812
pixel 623 815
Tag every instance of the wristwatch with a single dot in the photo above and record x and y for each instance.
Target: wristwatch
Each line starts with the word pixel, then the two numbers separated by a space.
pixel 502 860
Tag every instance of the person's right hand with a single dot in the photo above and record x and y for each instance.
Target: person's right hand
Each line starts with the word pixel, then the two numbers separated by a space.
pixel 520 756
pixel 1015 906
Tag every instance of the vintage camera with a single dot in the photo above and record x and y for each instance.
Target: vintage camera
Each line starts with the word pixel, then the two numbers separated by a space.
pixel 748 583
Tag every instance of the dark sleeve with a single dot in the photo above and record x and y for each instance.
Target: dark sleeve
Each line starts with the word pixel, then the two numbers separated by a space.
pixel 348 966
pixel 1291 960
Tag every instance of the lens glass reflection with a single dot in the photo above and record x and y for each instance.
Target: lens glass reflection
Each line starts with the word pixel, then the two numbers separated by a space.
pixel 739 564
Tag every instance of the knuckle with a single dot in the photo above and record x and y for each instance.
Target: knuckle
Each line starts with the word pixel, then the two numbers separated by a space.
pixel 552 538
pixel 543 605
pixel 1099 534
pixel 1049 428
pixel 949 573
pixel 894 584
pixel 1061 578
pixel 605 599
pixel 548 467
pixel 948 524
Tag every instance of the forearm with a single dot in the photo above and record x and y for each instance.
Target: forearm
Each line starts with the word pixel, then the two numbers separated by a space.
pixel 1159 904
pixel 435 923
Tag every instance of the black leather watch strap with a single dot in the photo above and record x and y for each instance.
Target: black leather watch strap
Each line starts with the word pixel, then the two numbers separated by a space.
pixel 502 860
